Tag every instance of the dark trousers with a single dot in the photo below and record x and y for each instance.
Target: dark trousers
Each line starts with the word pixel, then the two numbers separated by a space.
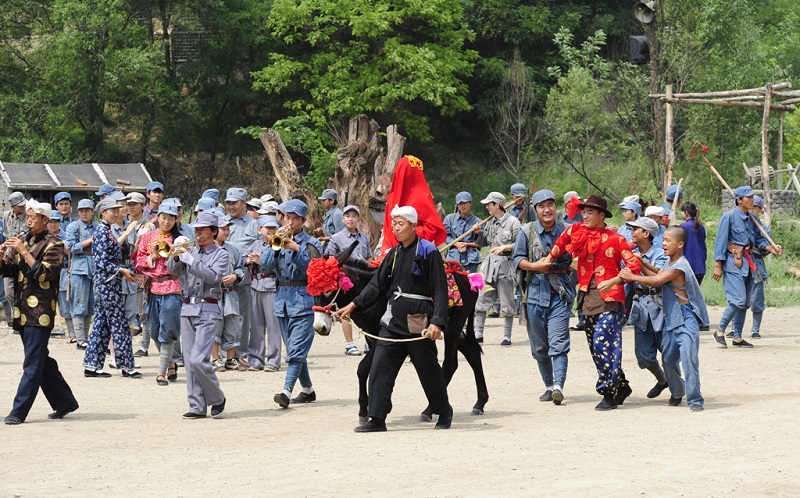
pixel 40 370
pixel 389 357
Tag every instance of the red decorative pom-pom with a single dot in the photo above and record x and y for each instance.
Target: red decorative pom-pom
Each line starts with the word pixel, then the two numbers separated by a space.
pixel 323 275
pixel 705 149
pixel 572 207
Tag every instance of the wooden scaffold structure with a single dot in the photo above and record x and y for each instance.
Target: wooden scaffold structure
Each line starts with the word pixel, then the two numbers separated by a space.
pixel 770 97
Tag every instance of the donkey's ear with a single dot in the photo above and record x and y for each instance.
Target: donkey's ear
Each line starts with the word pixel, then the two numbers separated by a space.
pixel 345 255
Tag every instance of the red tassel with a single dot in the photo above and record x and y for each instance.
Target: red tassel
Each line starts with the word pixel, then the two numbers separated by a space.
pixel 572 207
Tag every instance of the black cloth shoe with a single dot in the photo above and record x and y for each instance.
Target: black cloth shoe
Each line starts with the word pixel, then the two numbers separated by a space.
pixel 674 401
pixel 281 399
pixel 754 335
pixel 445 419
pixel 547 396
pixel 741 344
pixel 605 405
pixel 719 339
pixel 82 345
pixel 193 415
pixel 373 425
pixel 92 373
pixel 558 396
pixel 216 410
pixel 133 374
pixel 656 390
pixel 729 335
pixel 479 339
pixel 578 326
pixel 493 314
pixel 140 353
pixel 704 328
pixel 622 393
pixel 305 398
pixel 696 408
pixel 12 420
pixel 62 412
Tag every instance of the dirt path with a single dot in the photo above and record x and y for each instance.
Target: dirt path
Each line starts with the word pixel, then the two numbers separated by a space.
pixel 128 437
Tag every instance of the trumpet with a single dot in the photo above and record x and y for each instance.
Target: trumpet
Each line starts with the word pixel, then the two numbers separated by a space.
pixel 167 250
pixel 277 240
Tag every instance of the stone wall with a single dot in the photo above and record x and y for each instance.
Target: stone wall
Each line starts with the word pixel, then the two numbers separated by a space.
pixel 783 201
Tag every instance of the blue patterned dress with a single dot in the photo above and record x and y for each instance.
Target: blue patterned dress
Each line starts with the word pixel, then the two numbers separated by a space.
pixel 109 310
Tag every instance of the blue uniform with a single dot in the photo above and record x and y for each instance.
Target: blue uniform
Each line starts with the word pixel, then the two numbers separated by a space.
pixel 262 314
pixel 681 340
pixel 647 318
pixel 456 226
pixel 548 302
pixel 342 239
pixel 244 232
pixel 757 304
pixel 81 270
pixel 737 230
pixel 293 304
pixel 626 231
pixel 333 221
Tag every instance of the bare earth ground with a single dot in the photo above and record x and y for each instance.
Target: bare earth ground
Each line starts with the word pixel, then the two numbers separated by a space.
pixel 128 438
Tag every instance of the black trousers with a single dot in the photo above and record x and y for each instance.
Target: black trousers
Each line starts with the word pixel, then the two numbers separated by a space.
pixel 40 370
pixel 389 357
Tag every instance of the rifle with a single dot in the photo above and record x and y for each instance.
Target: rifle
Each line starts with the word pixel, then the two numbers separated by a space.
pixel 444 249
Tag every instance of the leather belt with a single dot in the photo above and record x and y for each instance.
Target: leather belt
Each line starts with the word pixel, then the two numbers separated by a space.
pixel 298 283
pixel 263 275
pixel 87 253
pixel 651 292
pixel 559 272
pixel 200 300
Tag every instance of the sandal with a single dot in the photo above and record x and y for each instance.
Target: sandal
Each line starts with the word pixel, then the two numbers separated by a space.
pixel 161 380
pixel 172 373
pixel 73 340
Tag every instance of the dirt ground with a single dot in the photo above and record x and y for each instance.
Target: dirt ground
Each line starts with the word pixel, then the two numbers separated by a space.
pixel 128 437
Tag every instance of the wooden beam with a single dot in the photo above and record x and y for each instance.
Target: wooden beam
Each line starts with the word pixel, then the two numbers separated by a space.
pixel 780 151
pixel 765 156
pixel 725 103
pixel 669 151
pixel 727 93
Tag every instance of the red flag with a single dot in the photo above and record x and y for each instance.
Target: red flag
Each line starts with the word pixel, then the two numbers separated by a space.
pixel 409 188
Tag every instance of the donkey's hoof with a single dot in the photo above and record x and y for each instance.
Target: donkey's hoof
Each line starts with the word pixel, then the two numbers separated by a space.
pixel 424 417
pixel 476 411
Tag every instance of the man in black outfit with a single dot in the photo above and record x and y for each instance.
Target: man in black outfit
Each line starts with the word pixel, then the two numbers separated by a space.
pixel 35 262
pixel 412 277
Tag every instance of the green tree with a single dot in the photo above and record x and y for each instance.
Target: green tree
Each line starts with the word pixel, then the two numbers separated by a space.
pixel 395 60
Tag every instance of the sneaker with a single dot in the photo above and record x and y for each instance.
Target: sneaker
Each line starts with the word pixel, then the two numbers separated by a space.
pixel 140 353
pixel 719 339
pixel 729 335
pixel 505 342
pixel 547 396
pixel 673 401
pixel 231 364
pixel 755 335
pixel 218 365
pixel 656 390
pixel 742 344
pixel 271 368
pixel 558 395
pixel 696 408
pixel 352 351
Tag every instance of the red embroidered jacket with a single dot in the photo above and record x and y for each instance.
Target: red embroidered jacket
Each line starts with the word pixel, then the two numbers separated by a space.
pixel 599 253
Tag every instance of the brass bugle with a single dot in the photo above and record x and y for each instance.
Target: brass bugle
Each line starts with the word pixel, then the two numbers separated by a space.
pixel 277 240
pixel 166 250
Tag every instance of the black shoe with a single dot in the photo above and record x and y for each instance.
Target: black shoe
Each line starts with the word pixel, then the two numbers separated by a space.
pixel 754 335
pixel 505 342
pixel 281 399
pixel 741 344
pixel 606 404
pixel 62 412
pixel 12 420
pixel 82 345
pixel 729 335
pixel 622 393
pixel 193 415
pixel 674 401
pixel 696 408
pixel 547 396
pixel 92 373
pixel 172 377
pixel 374 425
pixel 445 419
pixel 719 339
pixel 140 353
pixel 493 314
pixel 656 390
pixel 216 410
pixel 558 396
pixel 578 326
pixel 704 328
pixel 133 374
pixel 305 398
pixel 479 339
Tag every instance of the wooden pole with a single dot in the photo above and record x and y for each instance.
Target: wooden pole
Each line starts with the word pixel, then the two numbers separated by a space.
pixel 765 155
pixel 669 150
pixel 780 151
pixel 726 103
pixel 728 93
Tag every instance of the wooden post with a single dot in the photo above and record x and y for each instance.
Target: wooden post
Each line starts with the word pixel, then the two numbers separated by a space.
pixel 669 150
pixel 765 155
pixel 780 150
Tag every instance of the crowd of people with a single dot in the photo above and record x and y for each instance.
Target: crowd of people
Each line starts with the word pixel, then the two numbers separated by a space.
pixel 228 292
